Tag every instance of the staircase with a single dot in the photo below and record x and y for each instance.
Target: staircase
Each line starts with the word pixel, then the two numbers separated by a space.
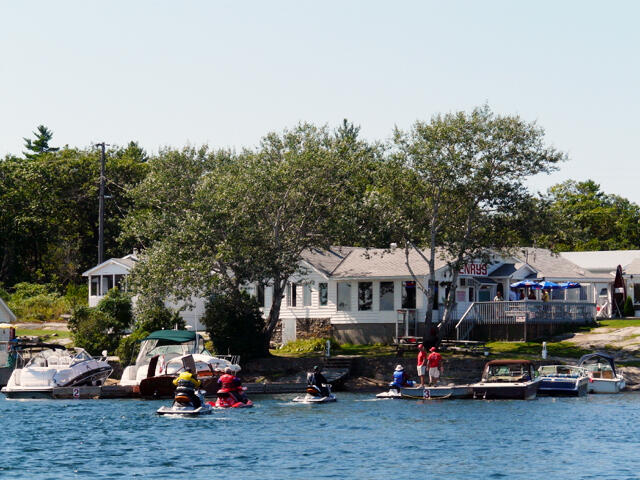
pixel 337 369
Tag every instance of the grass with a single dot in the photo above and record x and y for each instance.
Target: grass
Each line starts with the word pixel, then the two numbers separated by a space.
pixel 620 323
pixel 554 349
pixel 311 348
pixel 43 334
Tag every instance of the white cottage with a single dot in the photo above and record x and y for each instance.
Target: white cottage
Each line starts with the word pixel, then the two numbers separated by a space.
pixel 358 294
pixel 113 273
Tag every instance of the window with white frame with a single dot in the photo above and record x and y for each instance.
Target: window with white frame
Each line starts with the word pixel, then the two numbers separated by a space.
pixel 409 294
pixel 386 296
pixel 365 296
pixel 95 286
pixel 344 296
pixel 323 294
pixel 291 295
pixel 636 293
pixel 306 295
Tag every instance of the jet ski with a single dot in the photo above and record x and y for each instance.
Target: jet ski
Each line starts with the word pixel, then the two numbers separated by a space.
pixel 184 404
pixel 316 395
pixel 391 393
pixel 231 400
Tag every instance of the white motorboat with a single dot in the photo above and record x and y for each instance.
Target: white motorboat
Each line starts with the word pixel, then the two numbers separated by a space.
pixel 603 377
pixel 507 379
pixel 439 392
pixel 314 395
pixel 161 355
pixel 563 380
pixel 56 367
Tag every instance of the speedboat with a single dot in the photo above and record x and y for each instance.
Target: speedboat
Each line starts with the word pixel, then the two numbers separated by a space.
pixel 508 379
pixel 315 395
pixel 55 367
pixel 164 354
pixel 184 405
pixel 603 377
pixel 563 380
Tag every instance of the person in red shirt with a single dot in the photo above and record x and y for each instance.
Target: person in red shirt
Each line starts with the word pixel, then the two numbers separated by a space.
pixel 422 364
pixel 434 362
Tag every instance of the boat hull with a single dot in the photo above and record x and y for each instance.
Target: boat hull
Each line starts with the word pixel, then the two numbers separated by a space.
pixel 445 391
pixel 185 411
pixel 506 391
pixel 606 385
pixel 28 393
pixel 310 399
pixel 558 387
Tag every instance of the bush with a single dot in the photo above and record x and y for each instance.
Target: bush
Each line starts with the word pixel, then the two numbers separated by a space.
pixel 309 345
pixel 92 330
pixel 235 325
pixel 129 346
pixel 628 310
pixel 117 305
pixel 37 302
pixel 77 295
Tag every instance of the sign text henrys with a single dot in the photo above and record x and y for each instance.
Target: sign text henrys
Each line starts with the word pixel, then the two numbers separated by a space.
pixel 478 269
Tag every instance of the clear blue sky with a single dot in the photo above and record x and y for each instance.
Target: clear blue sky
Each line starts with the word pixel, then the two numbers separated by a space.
pixel 225 73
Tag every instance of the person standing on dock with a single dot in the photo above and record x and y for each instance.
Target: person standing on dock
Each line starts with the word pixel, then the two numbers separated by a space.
pixel 434 361
pixel 422 364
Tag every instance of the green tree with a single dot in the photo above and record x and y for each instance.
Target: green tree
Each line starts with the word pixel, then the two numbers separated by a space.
pixel 92 330
pixel 234 323
pixel 41 143
pixel 457 183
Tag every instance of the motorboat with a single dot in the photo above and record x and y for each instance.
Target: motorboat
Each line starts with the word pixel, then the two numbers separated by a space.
pixel 563 380
pixel 315 395
pixel 54 367
pixel 438 392
pixel 184 405
pixel 164 354
pixel 507 379
pixel 603 377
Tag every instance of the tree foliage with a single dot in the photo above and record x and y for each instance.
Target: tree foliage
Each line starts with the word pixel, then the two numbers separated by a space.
pixel 41 143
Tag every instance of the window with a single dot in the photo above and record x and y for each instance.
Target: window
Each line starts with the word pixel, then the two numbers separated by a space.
pixel 386 296
pixel 471 295
pixel 323 290
pixel 484 294
pixel 291 297
pixel 95 286
pixel 107 284
pixel 365 295
pixel 120 282
pixel 636 293
pixel 435 296
pixel 558 294
pixel 260 294
pixel 408 294
pixel 344 296
pixel 306 295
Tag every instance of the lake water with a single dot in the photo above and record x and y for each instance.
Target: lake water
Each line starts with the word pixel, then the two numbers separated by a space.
pixel 358 437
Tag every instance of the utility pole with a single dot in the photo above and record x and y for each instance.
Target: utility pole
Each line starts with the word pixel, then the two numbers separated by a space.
pixel 101 206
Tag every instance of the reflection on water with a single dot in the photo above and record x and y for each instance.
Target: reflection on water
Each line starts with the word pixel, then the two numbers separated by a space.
pixel 357 438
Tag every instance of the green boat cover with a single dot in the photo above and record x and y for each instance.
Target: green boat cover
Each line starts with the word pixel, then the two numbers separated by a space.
pixel 172 336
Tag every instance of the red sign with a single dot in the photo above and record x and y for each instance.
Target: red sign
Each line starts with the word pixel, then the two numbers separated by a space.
pixel 477 269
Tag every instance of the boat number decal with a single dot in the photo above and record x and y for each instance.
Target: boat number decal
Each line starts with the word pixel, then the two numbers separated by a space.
pixel 76 393
pixel 426 393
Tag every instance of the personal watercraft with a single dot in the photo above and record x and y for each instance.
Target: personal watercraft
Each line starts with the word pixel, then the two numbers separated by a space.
pixel 187 402
pixel 316 395
pixel 231 400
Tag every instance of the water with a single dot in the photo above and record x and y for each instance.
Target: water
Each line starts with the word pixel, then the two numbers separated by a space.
pixel 596 437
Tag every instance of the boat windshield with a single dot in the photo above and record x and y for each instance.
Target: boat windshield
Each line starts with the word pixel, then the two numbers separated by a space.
pixel 599 370
pixel 151 348
pixel 49 358
pixel 80 356
pixel 507 373
pixel 568 371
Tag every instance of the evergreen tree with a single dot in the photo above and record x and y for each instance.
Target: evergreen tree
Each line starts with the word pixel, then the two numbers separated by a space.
pixel 41 144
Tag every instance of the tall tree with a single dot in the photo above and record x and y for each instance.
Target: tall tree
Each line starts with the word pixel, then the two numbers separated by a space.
pixel 41 143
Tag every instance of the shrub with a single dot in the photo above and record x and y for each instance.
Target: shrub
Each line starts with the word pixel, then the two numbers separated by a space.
pixel 37 302
pixel 308 345
pixel 235 325
pixel 93 330
pixel 77 295
pixel 628 310
pixel 117 305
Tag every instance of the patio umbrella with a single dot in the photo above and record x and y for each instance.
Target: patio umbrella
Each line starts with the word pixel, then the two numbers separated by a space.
pixel 524 284
pixel 569 285
pixel 546 285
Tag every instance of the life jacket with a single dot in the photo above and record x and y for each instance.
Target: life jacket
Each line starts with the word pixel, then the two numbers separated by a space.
pixel 399 378
pixel 228 383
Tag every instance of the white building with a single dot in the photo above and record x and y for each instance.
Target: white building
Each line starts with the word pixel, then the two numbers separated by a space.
pixel 6 315
pixel 113 273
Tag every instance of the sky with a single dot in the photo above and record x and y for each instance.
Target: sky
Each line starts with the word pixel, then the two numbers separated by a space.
pixel 166 73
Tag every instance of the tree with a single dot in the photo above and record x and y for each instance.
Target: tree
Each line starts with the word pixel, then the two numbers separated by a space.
pixel 458 182
pixel 586 218
pixel 41 143
pixel 235 325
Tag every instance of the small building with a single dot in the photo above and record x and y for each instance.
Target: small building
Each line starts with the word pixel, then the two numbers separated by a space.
pixel 6 315
pixel 113 273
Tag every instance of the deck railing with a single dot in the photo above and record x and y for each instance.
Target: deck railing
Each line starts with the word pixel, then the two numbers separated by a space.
pixel 523 312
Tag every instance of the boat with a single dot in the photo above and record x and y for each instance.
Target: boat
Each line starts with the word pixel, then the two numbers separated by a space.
pixel 164 354
pixel 52 367
pixel 439 392
pixel 183 406
pixel 507 379
pixel 314 395
pixel 560 380
pixel 603 377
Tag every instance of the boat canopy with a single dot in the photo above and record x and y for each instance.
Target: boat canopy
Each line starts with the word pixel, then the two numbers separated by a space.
pixel 604 356
pixel 172 336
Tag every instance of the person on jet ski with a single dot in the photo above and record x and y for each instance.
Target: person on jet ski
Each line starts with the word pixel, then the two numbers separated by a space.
pixel 232 385
pixel 318 380
pixel 400 378
pixel 187 383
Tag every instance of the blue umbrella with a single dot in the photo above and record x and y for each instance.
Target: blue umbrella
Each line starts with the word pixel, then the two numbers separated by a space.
pixel 523 284
pixel 569 285
pixel 546 285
